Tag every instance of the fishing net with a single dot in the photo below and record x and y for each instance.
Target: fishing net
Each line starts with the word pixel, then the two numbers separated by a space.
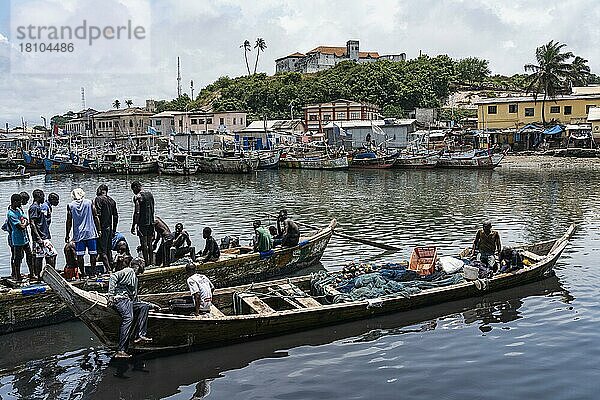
pixel 365 282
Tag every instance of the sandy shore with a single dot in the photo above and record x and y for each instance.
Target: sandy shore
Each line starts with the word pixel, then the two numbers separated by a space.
pixel 548 162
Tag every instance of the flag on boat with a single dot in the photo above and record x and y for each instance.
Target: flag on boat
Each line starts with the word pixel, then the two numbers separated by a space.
pixel 152 131
pixel 377 130
pixel 338 130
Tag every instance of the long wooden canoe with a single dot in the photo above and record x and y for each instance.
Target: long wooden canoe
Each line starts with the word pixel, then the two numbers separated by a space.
pixel 38 305
pixel 270 308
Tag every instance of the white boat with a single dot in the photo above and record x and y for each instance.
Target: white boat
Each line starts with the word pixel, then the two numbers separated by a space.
pixel 474 159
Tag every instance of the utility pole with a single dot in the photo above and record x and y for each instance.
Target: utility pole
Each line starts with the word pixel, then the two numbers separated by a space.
pixel 178 79
pixel 192 88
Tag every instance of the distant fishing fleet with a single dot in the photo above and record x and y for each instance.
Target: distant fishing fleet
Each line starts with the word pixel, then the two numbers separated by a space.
pixel 173 160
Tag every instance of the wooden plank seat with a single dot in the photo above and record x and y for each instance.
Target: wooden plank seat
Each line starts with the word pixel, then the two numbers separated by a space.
pixel 215 312
pixel 293 290
pixel 256 304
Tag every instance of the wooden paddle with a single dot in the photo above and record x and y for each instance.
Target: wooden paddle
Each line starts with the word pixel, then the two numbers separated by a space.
pixel 349 237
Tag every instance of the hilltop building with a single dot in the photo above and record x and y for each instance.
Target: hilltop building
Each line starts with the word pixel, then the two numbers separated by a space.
pixel 324 57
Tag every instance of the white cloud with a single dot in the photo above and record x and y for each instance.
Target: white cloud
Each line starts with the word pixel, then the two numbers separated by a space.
pixel 206 35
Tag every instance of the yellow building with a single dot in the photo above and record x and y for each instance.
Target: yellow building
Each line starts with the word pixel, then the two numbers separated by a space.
pixel 594 119
pixel 516 112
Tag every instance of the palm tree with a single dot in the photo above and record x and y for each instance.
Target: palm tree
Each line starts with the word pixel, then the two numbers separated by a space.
pixel 247 48
pixel 580 72
pixel 128 103
pixel 551 73
pixel 260 45
pixel 117 104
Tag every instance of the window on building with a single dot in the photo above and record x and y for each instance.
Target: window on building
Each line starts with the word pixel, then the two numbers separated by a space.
pixel 234 120
pixel 201 121
pixel 587 108
pixel 529 112
pixel 555 110
pixel 221 121
pixel 209 121
pixel 241 121
pixel 327 117
pixel 568 110
pixel 492 109
pixel 341 116
pixel 180 123
pixel 131 123
pixel 158 122
pixel 513 108
pixel 194 121
pixel 110 124
pixel 355 115
pixel 312 117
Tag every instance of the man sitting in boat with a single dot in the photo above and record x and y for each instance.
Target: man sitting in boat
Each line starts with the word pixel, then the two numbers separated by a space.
pixel 182 245
pixel 510 260
pixel 123 297
pixel 275 236
pixel 201 289
pixel 263 241
pixel 211 249
pixel 287 229
pixel 487 243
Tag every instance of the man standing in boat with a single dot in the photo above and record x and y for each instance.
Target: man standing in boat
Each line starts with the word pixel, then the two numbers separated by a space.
pixel 18 238
pixel 123 297
pixel 40 234
pixel 106 208
pixel 143 220
pixel 82 217
pixel 288 230
pixel 487 243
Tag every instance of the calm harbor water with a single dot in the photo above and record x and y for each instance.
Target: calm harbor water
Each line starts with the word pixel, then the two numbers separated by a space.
pixel 536 341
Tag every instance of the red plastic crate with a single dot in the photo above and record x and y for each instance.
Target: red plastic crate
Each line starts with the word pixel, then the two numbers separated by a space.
pixel 422 260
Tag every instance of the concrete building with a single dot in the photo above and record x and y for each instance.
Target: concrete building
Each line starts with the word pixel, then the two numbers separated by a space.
pixel 132 121
pixel 207 121
pixel 517 112
pixel 163 123
pixel 81 124
pixel 324 57
pixel 353 134
pixel 266 134
pixel 594 119
pixel 316 116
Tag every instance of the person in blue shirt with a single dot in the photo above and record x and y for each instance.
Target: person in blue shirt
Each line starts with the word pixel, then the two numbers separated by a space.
pixel 83 219
pixel 39 216
pixel 19 239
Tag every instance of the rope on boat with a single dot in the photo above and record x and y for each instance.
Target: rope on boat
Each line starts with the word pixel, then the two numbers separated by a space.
pixel 90 307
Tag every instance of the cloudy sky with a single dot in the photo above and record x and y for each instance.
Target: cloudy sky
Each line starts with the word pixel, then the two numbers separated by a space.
pixel 206 34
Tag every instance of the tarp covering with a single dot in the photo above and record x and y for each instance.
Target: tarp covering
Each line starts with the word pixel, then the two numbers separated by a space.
pixel 555 130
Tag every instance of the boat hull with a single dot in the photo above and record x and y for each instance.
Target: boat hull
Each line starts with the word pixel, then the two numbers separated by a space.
pixel 32 162
pixel 226 165
pixel 416 162
pixel 58 167
pixel 146 167
pixel 484 162
pixel 340 163
pixel 171 332
pixel 26 308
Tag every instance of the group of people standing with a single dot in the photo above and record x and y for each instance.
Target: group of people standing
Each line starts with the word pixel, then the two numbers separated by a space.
pixel 25 229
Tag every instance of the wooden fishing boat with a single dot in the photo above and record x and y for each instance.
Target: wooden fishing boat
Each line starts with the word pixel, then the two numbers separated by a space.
pixel 110 162
pixel 178 164
pixel 62 163
pixel 208 163
pixel 319 162
pixel 246 312
pixel 470 160
pixel 269 159
pixel 38 305
pixel 32 161
pixel 139 163
pixel 14 177
pixel 372 160
pixel 417 161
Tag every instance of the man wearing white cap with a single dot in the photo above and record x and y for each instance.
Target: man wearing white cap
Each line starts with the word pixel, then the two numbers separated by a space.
pixel 82 217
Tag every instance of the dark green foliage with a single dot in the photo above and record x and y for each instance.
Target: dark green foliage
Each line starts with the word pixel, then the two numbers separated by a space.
pixel 472 70
pixel 421 82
